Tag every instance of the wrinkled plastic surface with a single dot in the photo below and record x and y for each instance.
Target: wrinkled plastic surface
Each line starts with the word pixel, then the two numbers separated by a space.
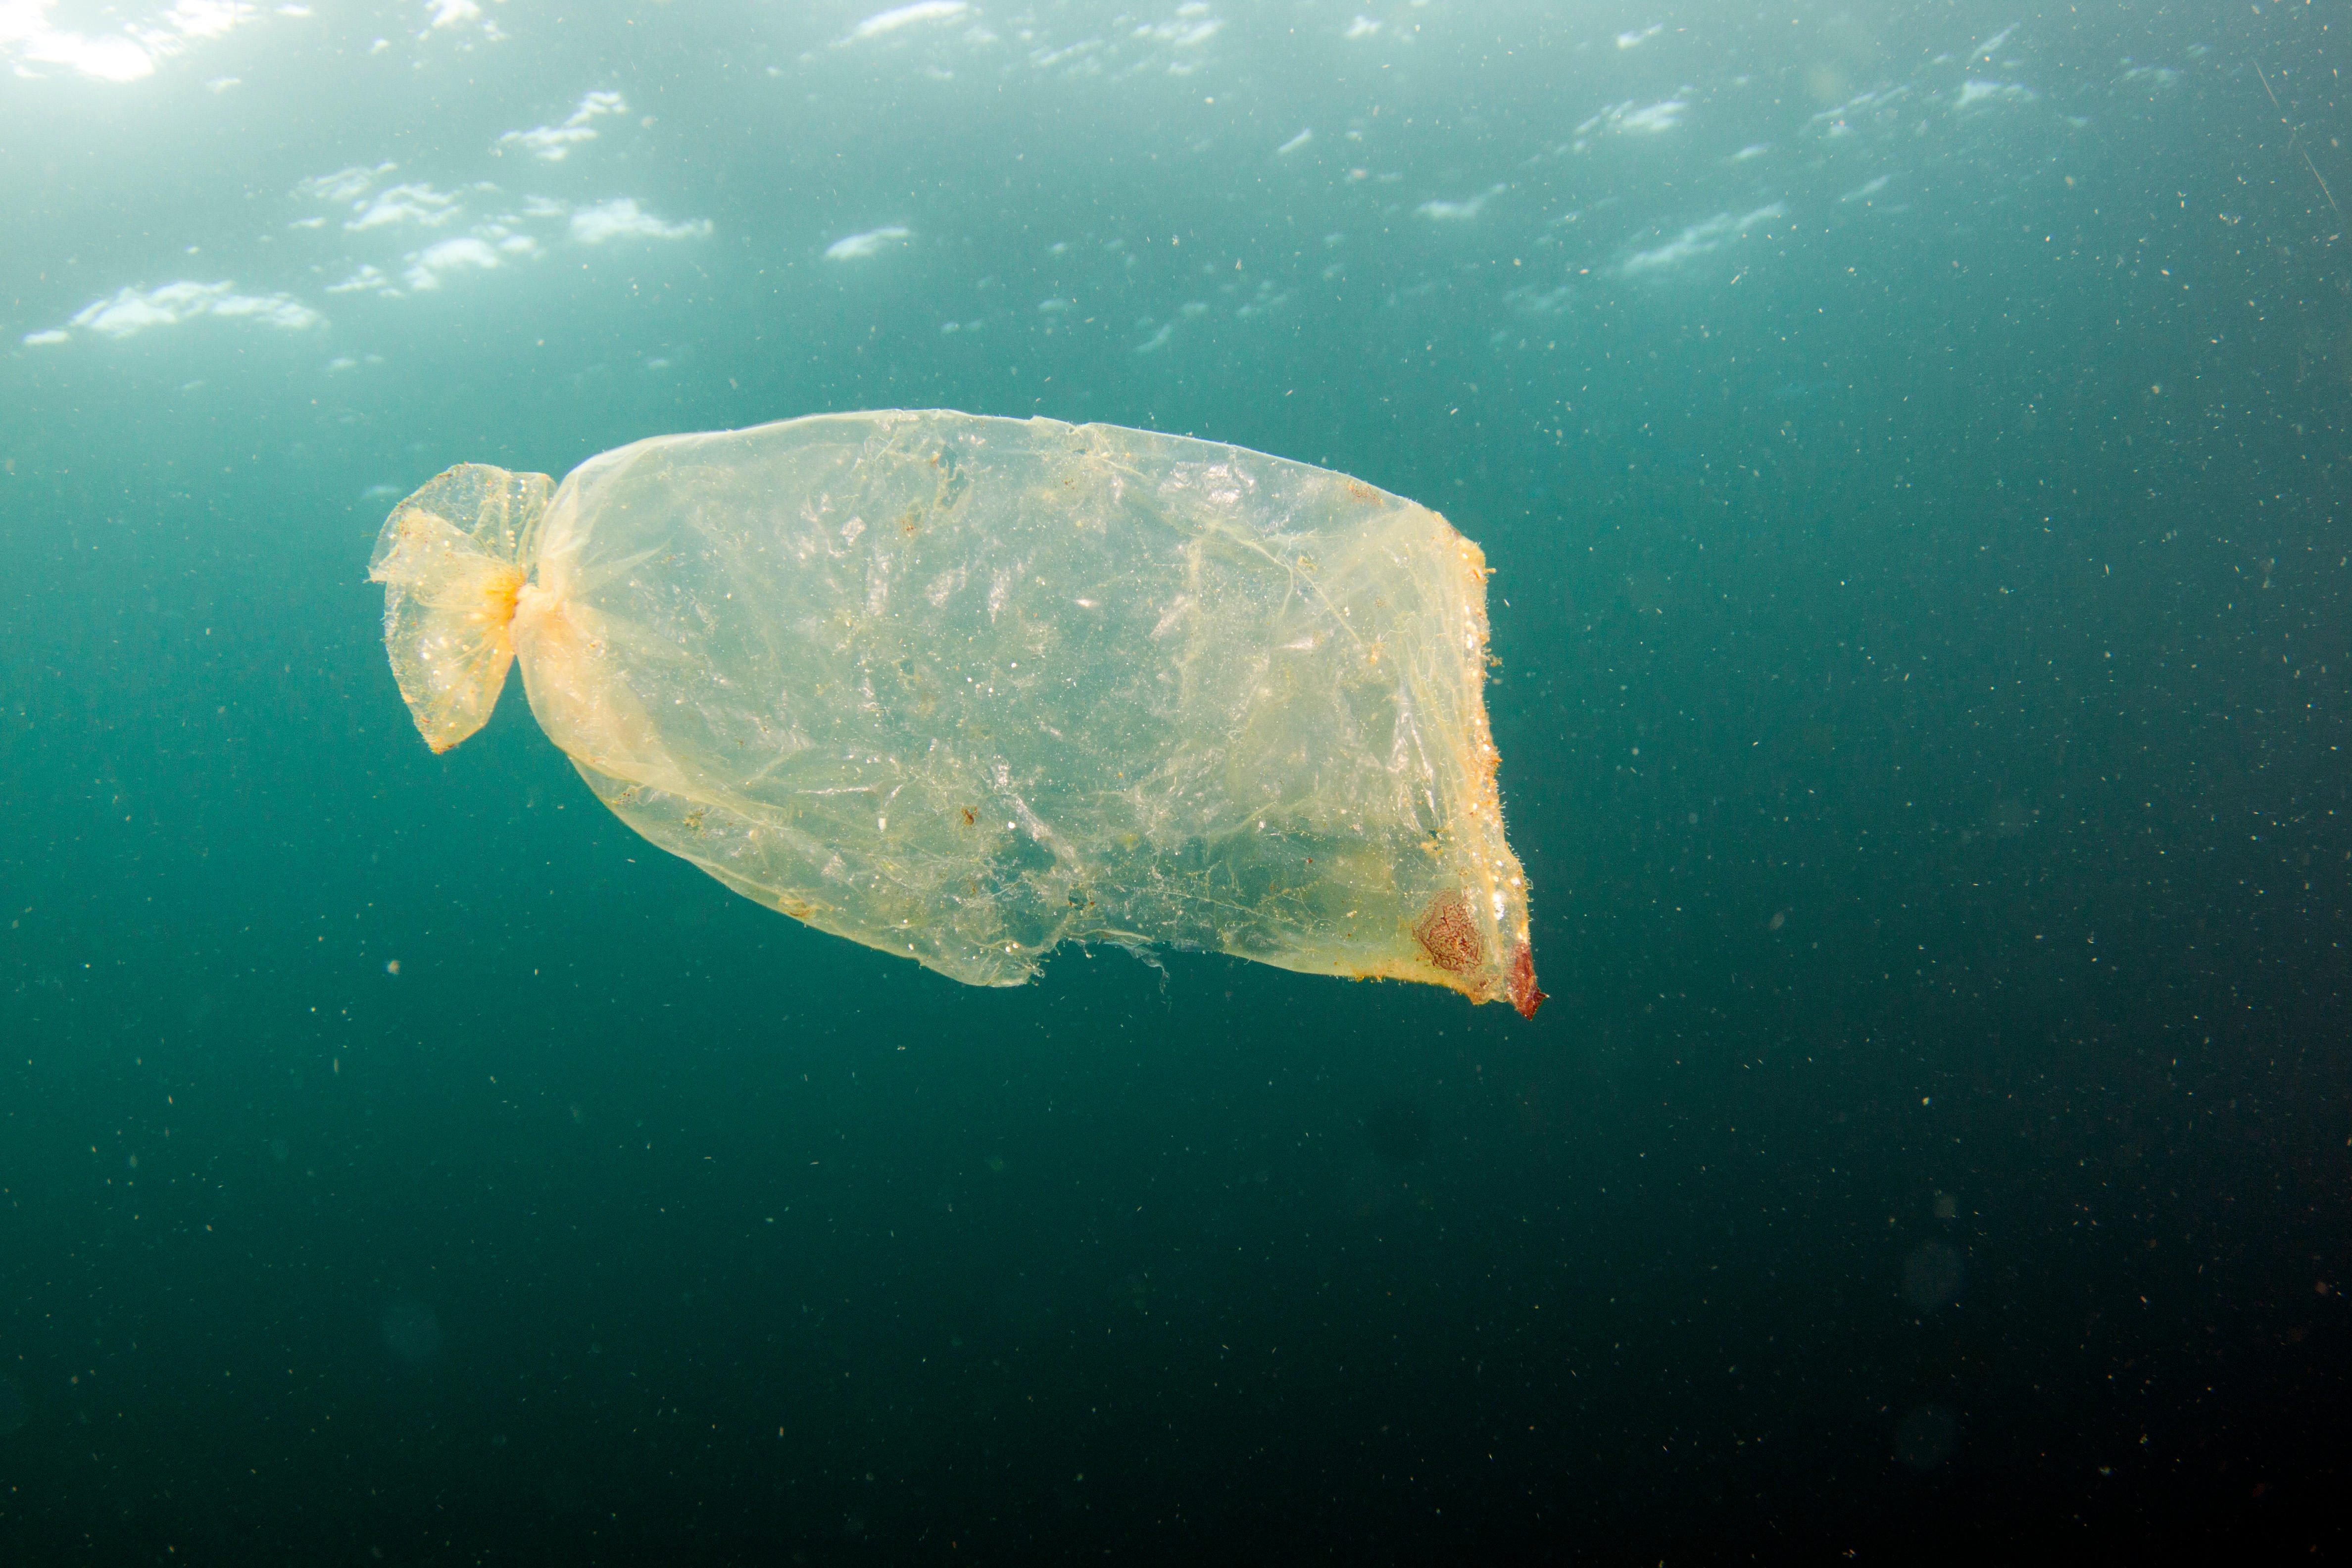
pixel 452 557
pixel 962 689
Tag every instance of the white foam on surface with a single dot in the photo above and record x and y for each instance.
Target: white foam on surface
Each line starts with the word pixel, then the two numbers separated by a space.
pixel 1749 139
pixel 1653 118
pixel 344 185
pixel 553 143
pixel 1985 49
pixel 873 242
pixel 1700 239
pixel 135 310
pixel 489 243
pixel 416 203
pixel 624 219
pixel 1975 93
pixel 1441 211
pixel 435 262
pixel 902 16
pixel 453 16
pixel 34 45
pixel 367 279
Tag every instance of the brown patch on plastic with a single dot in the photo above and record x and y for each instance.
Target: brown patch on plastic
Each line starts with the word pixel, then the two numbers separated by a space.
pixel 500 590
pixel 1448 934
pixel 1524 995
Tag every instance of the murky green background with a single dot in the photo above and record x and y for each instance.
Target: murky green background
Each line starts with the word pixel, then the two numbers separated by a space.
pixel 1911 448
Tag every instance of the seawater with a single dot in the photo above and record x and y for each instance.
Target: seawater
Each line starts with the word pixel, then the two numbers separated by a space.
pixel 1910 444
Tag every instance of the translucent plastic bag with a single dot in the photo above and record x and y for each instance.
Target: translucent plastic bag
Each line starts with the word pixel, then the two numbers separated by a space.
pixel 962 688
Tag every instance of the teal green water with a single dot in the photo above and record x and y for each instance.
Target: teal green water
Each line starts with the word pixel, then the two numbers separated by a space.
pixel 1911 450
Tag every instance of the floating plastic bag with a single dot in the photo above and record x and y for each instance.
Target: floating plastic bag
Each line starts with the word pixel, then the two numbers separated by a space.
pixel 962 689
